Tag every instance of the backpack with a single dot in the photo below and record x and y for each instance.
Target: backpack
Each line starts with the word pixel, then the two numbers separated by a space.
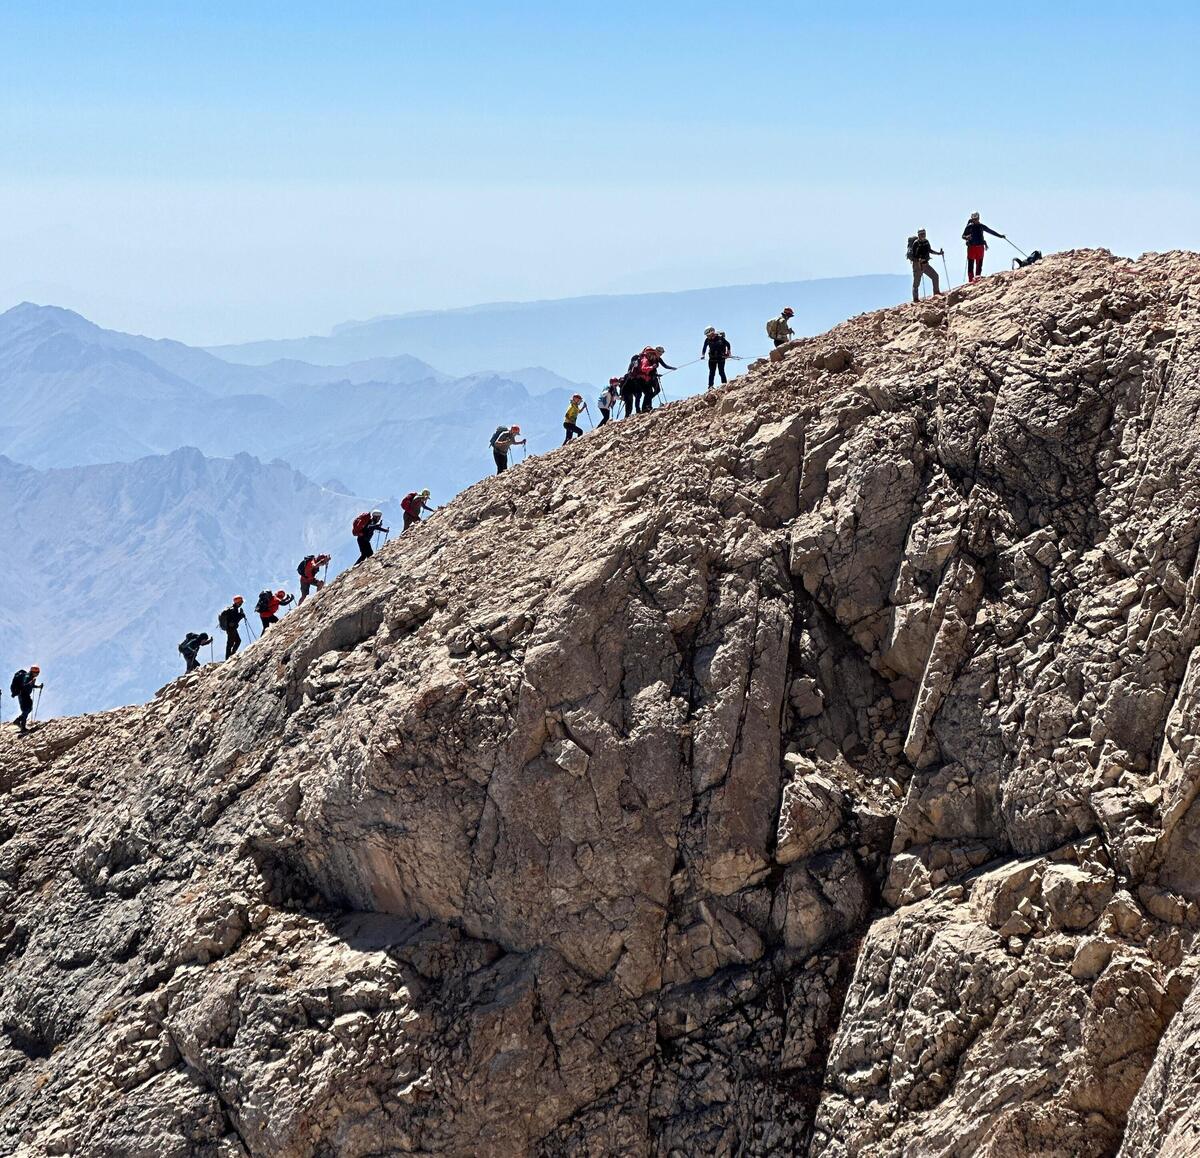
pixel 191 642
pixel 303 567
pixel 18 683
pixel 1036 255
pixel 227 620
pixel 263 606
pixel 773 329
pixel 910 252
pixel 406 503
pixel 360 524
pixel 499 431
pixel 605 401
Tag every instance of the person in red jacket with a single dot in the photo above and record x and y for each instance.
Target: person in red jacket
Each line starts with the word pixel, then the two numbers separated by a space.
pixel 269 604
pixel 309 566
pixel 412 505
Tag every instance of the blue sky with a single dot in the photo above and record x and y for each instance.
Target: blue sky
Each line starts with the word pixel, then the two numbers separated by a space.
pixel 225 171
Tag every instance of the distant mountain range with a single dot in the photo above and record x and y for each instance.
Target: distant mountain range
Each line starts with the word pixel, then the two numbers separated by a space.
pixel 588 338
pixel 108 567
pixel 73 394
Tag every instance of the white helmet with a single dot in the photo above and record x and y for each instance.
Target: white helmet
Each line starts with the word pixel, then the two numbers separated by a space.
pixel 377 514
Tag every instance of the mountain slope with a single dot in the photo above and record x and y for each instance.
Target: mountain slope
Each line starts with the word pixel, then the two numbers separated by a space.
pixel 805 768
pixel 589 338
pixel 108 567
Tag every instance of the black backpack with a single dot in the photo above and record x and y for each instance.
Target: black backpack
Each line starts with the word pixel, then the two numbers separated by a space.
pixel 499 431
pixel 191 642
pixel 227 620
pixel 264 601
pixel 304 563
pixel 18 683
pixel 910 254
pixel 1036 255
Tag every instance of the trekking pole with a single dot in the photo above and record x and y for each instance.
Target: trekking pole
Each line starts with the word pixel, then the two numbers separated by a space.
pixel 37 703
pixel 1017 248
pixel 210 651
pixel 946 271
pixel 589 414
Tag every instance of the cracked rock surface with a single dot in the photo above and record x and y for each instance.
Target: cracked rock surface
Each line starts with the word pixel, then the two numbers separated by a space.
pixel 809 767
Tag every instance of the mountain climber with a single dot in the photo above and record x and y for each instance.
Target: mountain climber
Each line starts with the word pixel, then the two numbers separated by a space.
pixel 307 570
pixel 192 643
pixel 23 685
pixel 503 440
pixel 779 329
pixel 608 400
pixel 633 383
pixel 228 621
pixel 919 252
pixel 653 384
pixel 976 245
pixel 269 602
pixel 412 505
pixel 718 348
pixel 569 425
pixel 363 529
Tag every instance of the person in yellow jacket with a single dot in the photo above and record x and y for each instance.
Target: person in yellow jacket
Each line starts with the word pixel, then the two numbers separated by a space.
pixel 569 425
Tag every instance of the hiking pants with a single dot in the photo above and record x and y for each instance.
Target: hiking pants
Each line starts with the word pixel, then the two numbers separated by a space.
pixel 923 269
pixel 648 392
pixel 409 520
pixel 267 620
pixel 604 416
pixel 572 430
pixel 975 261
pixel 501 457
pixel 716 366
pixel 26 702
pixel 630 397
pixel 305 588
pixel 233 640
pixel 189 657
pixel 365 550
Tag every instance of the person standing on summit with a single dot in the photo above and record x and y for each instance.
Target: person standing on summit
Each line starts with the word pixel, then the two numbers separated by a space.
pixel 976 245
pixel 717 348
pixel 919 252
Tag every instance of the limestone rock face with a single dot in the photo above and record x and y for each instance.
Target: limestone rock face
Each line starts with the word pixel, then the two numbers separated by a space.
pixel 810 767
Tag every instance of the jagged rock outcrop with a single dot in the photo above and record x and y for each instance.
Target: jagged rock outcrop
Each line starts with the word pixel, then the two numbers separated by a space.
pixel 810 767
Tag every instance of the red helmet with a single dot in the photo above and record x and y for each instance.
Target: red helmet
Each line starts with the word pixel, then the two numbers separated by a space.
pixel 614 381
pixel 515 429
pixel 34 669
pixel 280 594
pixel 788 311
pixel 237 599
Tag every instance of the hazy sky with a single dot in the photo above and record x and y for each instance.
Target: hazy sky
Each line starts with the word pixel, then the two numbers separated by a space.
pixel 219 171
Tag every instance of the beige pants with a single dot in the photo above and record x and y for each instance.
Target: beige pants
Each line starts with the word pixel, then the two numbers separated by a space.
pixel 923 269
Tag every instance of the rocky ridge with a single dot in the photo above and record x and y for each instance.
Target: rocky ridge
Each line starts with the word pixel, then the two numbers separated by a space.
pixel 809 767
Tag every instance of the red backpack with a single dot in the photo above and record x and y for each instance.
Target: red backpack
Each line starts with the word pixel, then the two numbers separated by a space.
pixel 646 368
pixel 406 503
pixel 360 524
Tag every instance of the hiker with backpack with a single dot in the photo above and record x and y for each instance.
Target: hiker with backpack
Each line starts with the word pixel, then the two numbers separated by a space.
pixel 229 621
pixel 653 385
pixel 919 252
pixel 779 329
pixel 608 400
pixel 632 384
pixel 23 685
pixel 269 602
pixel 307 570
pixel 191 645
pixel 363 529
pixel 569 424
pixel 976 245
pixel 412 505
pixel 717 347
pixel 503 440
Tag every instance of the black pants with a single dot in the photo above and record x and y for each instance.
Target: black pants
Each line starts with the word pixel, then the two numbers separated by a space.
pixel 649 392
pixel 605 415
pixel 306 587
pixel 233 640
pixel 572 430
pixel 26 703
pixel 365 550
pixel 409 520
pixel 267 620
pixel 189 657
pixel 784 341
pixel 501 459
pixel 716 366
pixel 631 398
